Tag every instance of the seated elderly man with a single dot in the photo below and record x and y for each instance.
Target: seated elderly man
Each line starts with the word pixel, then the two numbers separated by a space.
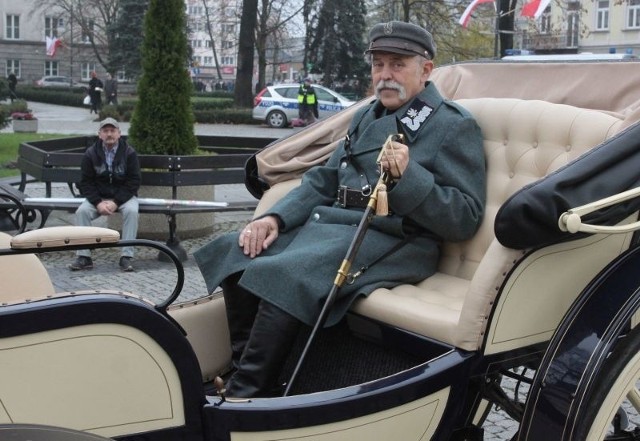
pixel 110 182
pixel 277 273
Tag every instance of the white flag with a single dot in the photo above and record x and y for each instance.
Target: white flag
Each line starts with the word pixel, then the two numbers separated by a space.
pixel 52 45
pixel 466 15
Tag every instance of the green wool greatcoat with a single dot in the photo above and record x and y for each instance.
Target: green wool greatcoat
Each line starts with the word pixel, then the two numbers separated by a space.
pixel 440 196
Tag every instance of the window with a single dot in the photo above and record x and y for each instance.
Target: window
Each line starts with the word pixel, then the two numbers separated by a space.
pixel 87 32
pixel 545 21
pixel 229 61
pixel 196 25
pixel 324 95
pixel 196 43
pixel 51 26
pixel 208 44
pixel 633 14
pixel 602 15
pixel 121 75
pixel 12 27
pixel 13 66
pixel 228 29
pixel 86 69
pixel 194 10
pixel 50 68
pixel 208 61
pixel 227 44
pixel 573 28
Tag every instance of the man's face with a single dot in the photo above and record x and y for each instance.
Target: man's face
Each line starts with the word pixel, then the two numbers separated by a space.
pixel 398 78
pixel 109 135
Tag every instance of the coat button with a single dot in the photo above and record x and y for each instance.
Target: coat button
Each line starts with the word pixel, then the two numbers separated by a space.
pixel 343 165
pixel 316 216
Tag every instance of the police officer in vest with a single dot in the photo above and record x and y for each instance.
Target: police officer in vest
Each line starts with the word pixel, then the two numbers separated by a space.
pixel 307 103
pixel 278 270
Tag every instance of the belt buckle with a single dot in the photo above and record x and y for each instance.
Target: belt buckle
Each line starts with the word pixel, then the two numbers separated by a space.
pixel 342 196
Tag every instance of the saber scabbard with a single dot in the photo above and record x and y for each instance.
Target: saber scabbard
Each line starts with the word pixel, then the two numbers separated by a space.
pixel 345 266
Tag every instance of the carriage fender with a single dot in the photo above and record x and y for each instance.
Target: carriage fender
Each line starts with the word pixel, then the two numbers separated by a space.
pixel 579 347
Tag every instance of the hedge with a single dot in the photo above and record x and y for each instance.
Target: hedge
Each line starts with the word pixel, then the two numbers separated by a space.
pixel 208 108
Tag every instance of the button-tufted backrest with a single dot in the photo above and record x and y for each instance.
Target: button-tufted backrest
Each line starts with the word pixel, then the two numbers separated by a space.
pixel 524 140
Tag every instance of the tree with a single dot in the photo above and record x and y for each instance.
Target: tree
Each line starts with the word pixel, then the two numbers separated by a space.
pixel 271 30
pixel 209 27
pixel 440 17
pixel 243 92
pixel 162 122
pixel 338 44
pixel 91 20
pixel 127 31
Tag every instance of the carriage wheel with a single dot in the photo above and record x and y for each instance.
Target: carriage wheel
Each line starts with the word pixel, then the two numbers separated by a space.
pixel 616 392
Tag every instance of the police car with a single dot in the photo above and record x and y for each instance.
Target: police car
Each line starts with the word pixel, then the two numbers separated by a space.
pixel 277 105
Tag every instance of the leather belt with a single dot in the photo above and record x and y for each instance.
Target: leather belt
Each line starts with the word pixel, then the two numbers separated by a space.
pixel 351 198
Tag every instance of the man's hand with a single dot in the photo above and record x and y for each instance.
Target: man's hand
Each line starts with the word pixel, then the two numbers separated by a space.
pixel 395 159
pixel 258 235
pixel 107 208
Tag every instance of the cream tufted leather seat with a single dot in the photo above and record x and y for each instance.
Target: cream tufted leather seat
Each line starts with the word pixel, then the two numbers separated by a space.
pixel 524 140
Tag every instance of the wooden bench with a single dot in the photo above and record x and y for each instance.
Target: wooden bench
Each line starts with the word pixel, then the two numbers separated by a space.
pixel 59 161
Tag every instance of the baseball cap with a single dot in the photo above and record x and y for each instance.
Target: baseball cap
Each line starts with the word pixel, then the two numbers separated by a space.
pixel 109 122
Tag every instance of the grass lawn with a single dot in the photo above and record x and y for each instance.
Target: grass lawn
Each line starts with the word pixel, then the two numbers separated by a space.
pixel 9 143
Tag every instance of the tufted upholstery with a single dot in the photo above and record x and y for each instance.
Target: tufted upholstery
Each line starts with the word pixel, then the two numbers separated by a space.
pixel 523 141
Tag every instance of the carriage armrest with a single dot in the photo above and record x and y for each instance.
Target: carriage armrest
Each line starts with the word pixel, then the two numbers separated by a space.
pixel 274 194
pixel 62 236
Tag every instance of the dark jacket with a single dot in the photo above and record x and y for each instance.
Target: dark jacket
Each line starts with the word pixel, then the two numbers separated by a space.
pixel 96 95
pixel 441 196
pixel 120 184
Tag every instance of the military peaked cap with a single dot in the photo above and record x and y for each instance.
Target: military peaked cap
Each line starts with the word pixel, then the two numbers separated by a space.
pixel 401 38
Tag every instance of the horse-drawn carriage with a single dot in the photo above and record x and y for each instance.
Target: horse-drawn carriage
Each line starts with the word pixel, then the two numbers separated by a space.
pixel 549 284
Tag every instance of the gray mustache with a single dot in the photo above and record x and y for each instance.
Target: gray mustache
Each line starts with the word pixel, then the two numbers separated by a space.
pixel 382 84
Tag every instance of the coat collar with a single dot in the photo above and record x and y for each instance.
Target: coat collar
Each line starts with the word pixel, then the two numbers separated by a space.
pixel 410 119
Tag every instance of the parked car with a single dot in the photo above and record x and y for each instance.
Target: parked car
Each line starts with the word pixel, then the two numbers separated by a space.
pixel 278 105
pixel 55 81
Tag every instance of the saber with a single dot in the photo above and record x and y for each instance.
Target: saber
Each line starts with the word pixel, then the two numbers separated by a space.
pixel 142 201
pixel 343 271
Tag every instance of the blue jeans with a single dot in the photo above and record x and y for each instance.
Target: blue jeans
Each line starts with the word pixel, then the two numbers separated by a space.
pixel 87 212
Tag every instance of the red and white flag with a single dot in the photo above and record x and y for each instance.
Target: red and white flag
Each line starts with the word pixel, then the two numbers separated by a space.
pixel 52 43
pixel 466 15
pixel 534 8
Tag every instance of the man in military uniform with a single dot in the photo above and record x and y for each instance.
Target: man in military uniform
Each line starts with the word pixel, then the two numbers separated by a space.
pixel 277 273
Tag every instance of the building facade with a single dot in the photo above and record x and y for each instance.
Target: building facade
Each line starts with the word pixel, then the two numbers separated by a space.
pixel 26 27
pixel 25 30
pixel 214 28
pixel 596 26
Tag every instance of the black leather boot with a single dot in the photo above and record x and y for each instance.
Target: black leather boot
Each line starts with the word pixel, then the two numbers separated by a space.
pixel 241 307
pixel 273 334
